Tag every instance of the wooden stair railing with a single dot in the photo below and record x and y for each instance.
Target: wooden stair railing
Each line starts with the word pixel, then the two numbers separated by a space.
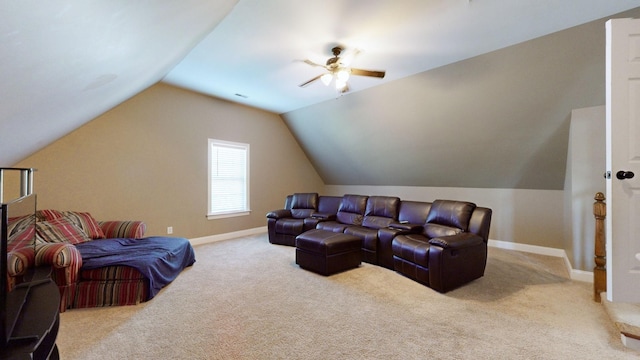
pixel 600 270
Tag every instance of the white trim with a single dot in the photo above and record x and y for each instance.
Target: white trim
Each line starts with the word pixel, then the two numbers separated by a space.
pixel 581 275
pixel 578 275
pixel 247 176
pixel 535 249
pixel 227 236
pixel 228 215
pixel 630 342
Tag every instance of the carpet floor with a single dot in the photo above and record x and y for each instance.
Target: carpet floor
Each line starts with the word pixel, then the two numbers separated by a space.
pixel 247 299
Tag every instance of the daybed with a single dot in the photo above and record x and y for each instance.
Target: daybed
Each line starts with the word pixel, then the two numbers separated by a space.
pixel 106 263
pixel 441 244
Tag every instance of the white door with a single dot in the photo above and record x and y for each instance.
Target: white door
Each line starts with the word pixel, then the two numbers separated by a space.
pixel 623 160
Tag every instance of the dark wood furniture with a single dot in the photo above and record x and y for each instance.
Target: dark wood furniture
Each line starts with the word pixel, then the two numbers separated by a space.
pixel 600 270
pixel 37 319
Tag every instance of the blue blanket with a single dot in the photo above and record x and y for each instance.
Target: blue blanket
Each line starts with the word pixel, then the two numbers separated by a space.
pixel 159 259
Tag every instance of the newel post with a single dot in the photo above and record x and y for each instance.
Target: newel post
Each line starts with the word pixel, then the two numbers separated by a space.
pixel 600 270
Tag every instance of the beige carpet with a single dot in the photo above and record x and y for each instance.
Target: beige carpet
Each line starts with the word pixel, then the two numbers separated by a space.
pixel 246 299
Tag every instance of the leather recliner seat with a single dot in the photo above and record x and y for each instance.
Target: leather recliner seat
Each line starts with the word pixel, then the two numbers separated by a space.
pixel 442 244
pixel 380 212
pixel 451 249
pixel 285 224
pixel 350 213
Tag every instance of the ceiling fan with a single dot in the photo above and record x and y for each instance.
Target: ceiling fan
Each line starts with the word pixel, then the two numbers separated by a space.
pixel 338 68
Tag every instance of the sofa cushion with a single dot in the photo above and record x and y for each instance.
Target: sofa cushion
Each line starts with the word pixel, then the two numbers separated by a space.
pixel 349 218
pixel 60 230
pixel 303 205
pixel 123 229
pixel 451 213
pixel 329 204
pixel 86 222
pixel 382 206
pixel 376 222
pixel 333 226
pixel 21 233
pixel 301 213
pixel 48 214
pixel 414 212
pixel 304 201
pixel 369 236
pixel 82 220
pixel 289 226
pixel 413 248
pixel 18 224
pixel 437 230
pixel 351 210
pixel 380 211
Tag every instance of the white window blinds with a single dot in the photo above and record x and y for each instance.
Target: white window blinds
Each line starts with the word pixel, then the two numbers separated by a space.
pixel 228 178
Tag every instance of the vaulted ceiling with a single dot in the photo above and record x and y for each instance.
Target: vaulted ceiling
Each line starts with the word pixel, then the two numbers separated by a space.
pixel 476 93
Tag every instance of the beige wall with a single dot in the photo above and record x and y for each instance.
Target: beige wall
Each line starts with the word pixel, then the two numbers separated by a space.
pixel 146 159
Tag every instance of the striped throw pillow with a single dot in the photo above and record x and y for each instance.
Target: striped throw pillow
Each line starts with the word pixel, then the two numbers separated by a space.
pixel 86 222
pixel 61 230
pixel 48 214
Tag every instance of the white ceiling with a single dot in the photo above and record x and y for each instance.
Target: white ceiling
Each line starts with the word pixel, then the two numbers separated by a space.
pixel 62 63
pixel 256 50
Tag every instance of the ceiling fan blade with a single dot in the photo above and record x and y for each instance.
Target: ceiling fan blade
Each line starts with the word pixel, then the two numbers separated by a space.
pixel 346 59
pixel 310 81
pixel 309 62
pixel 360 72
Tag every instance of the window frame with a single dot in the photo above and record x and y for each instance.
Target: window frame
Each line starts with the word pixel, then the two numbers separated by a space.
pixel 230 213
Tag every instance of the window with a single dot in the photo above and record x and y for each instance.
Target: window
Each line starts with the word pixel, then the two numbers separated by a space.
pixel 228 179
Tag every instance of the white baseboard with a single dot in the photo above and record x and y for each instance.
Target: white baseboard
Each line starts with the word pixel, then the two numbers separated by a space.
pixel 227 236
pixel 578 275
pixel 581 275
pixel 630 342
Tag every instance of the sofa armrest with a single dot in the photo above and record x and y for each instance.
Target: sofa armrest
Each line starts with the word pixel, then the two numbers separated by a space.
pixel 412 228
pixel 58 255
pixel 123 229
pixel 18 261
pixel 65 260
pixel 323 216
pixel 457 241
pixel 385 245
pixel 456 260
pixel 279 214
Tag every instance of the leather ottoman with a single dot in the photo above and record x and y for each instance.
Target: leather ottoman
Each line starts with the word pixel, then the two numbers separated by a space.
pixel 326 253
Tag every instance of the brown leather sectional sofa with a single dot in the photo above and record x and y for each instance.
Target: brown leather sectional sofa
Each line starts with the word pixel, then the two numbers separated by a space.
pixel 441 244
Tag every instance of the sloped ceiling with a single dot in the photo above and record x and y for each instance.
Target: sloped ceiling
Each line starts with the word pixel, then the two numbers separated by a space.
pixel 64 63
pixel 257 50
pixel 498 120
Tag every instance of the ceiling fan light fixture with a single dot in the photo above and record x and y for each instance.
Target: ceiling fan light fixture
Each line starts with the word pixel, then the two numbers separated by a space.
pixel 326 79
pixel 343 74
pixel 339 69
pixel 340 84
